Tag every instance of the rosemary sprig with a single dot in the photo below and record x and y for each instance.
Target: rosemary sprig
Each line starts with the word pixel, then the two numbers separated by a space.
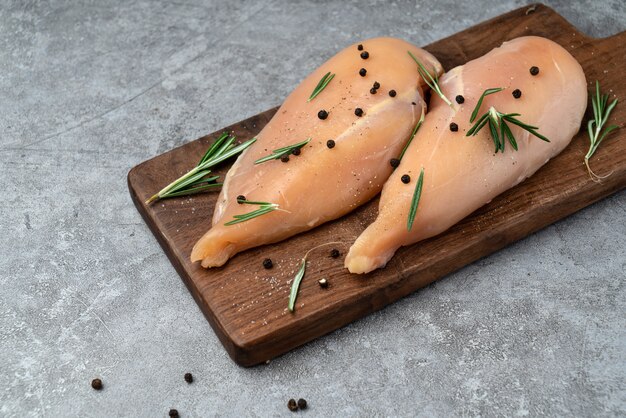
pixel 196 180
pixel 295 286
pixel 601 113
pixel 321 85
pixel 433 82
pixel 416 200
pixel 417 127
pixel 277 153
pixel 497 122
pixel 264 207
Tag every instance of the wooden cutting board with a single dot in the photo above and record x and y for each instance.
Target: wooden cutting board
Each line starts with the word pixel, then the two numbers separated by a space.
pixel 247 304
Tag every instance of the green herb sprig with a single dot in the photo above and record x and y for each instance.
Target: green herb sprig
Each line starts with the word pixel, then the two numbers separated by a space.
pixel 295 286
pixel 197 179
pixel 433 82
pixel 498 127
pixel 264 207
pixel 415 201
pixel 601 113
pixel 321 85
pixel 277 153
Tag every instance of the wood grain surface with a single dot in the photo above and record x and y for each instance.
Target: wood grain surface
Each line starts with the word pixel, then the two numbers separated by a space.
pixel 247 304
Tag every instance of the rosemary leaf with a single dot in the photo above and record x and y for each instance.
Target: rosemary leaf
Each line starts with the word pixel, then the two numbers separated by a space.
pixel 529 128
pixel 601 113
pixel 515 115
pixel 608 130
pixel 321 85
pixel 246 217
pixel 277 153
pixel 193 179
pixel 417 127
pixel 226 146
pixel 226 155
pixel 432 82
pixel 252 202
pixel 194 190
pixel 295 286
pixel 416 200
pixel 480 101
pixel 494 136
pixel 210 179
pixel 265 207
pixel 478 126
pixel 213 148
pixel 509 135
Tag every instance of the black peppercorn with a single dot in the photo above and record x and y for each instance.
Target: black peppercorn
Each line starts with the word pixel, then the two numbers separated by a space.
pixel 517 93
pixel 373 90
pixel 360 47
pixel 323 283
pixel 534 70
pixel 334 253
pixel 460 99
pixel 322 114
pixel 188 377
pixel 330 143
pixel 365 55
pixel 173 413
pixel 362 72
pixel 292 405
pixel 406 179
pixel 267 263
pixel 454 127
pixel 96 384
pixel 302 403
pixel 376 85
pixel 358 111
pixel 392 93
pixel 394 162
pixel 240 199
pixel 284 158
pixel 296 151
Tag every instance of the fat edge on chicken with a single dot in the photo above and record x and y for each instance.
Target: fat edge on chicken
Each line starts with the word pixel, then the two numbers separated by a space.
pixel 463 173
pixel 323 183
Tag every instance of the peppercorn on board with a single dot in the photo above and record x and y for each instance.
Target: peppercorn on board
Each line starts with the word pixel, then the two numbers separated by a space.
pixel 246 304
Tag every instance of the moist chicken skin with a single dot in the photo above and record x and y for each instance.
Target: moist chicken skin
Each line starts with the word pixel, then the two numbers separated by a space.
pixel 462 173
pixel 322 183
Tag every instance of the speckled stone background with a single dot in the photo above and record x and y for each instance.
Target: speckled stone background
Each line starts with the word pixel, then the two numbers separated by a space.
pixel 87 92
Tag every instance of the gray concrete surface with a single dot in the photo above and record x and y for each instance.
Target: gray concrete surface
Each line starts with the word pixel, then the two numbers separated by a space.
pixel 88 92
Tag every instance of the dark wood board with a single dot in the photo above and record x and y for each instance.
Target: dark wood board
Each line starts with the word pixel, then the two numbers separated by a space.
pixel 246 304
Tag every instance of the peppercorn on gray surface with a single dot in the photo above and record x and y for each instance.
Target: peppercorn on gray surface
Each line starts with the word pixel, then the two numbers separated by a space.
pixel 86 292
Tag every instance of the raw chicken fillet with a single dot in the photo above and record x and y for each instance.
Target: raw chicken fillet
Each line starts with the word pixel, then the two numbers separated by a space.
pixel 463 173
pixel 323 183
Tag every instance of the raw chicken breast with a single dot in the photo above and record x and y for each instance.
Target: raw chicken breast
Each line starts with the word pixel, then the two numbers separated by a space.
pixel 323 183
pixel 462 173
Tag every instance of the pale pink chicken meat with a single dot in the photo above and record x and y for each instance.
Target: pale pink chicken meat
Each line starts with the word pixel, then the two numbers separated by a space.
pixel 323 183
pixel 463 173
